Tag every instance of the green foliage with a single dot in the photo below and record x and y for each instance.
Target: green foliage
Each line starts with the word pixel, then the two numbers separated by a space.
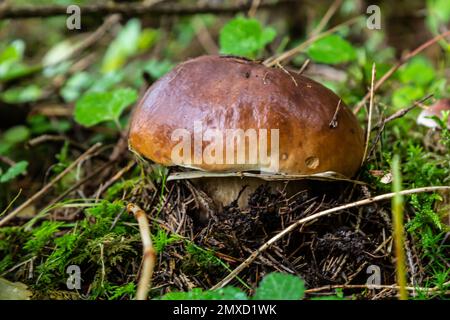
pixel 11 65
pixel 158 68
pixel 128 42
pixel 41 236
pixel 12 137
pixel 202 258
pixel 162 239
pixel 227 293
pixel 416 77
pixel 96 107
pixel 39 124
pixel 419 71
pixel 122 186
pixel 13 171
pixel 245 37
pixel 331 49
pixel 28 93
pixel 278 286
pixel 274 286
pixel 98 243
pixel 405 96
pixel 420 168
pixel 424 213
pixel 127 290
pixel 75 85
pixel 438 14
pixel 338 296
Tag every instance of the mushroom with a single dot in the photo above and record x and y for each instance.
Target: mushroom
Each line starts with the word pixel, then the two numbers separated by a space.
pixel 313 130
pixel 425 117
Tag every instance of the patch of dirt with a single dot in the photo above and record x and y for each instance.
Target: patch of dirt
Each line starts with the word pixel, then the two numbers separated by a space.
pixel 336 249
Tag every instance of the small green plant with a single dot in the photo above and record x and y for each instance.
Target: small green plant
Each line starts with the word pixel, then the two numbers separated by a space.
pixel 96 107
pixel 274 286
pixel 162 239
pixel 331 50
pixel 245 37
pixel 13 171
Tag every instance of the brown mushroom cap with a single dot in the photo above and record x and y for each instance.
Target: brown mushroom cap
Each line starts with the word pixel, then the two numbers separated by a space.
pixel 228 93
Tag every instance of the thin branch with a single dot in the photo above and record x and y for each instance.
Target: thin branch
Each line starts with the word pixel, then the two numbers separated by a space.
pixel 149 255
pixel 334 123
pixel 49 185
pixel 371 287
pixel 369 121
pixel 400 113
pixel 326 18
pixel 401 62
pixel 149 9
pixel 252 12
pixel 320 214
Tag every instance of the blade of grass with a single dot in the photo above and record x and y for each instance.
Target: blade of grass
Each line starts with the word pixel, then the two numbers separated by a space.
pixel 397 213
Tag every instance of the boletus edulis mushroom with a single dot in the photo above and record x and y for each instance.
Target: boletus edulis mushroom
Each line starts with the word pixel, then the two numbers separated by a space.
pixel 207 110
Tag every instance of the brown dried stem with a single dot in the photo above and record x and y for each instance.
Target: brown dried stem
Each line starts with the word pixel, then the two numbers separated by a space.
pixel 148 252
pixel 128 9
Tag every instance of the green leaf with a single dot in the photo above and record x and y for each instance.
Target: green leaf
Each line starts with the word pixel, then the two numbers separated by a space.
pixel 40 124
pixel 95 107
pixel 405 96
pixel 12 137
pixel 22 94
pixel 280 286
pixel 158 68
pixel 125 45
pixel 227 293
pixel 331 49
pixel 244 37
pixel 13 171
pixel 419 71
pixel 438 14
pixel 15 135
pixel 147 38
pixel 75 85
pixel 13 52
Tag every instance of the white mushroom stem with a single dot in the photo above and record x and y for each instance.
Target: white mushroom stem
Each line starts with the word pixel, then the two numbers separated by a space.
pixel 223 191
pixel 149 254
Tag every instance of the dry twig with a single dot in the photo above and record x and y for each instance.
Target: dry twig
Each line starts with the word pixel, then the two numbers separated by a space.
pixel 149 255
pixel 326 17
pixel 371 287
pixel 150 9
